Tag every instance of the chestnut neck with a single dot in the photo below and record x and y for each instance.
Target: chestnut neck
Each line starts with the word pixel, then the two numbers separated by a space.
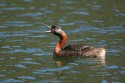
pixel 60 43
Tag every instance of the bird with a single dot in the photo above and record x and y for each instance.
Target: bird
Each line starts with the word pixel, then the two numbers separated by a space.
pixel 80 50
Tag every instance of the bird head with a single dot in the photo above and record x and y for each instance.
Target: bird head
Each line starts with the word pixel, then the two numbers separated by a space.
pixel 56 30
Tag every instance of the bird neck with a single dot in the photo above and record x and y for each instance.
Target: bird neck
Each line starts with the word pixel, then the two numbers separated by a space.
pixel 60 43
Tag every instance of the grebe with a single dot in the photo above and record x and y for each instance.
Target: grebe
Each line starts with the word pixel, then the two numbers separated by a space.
pixel 72 50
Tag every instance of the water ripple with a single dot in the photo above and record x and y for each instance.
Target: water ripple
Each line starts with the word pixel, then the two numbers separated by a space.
pixel 115 29
pixel 27 62
pixel 3 4
pixel 69 2
pixel 11 80
pixel 20 66
pixel 13 34
pixel 122 72
pixel 51 70
pixel 33 14
pixel 28 1
pixel 17 23
pixel 79 13
pixel 3 26
pixel 112 67
pixel 27 77
pixel 90 29
pixel 13 8
pixel 28 50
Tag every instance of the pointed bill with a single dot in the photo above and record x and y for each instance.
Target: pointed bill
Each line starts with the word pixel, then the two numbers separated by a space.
pixel 49 31
pixel 46 25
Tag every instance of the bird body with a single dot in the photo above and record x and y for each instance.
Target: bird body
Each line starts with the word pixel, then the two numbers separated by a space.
pixel 73 50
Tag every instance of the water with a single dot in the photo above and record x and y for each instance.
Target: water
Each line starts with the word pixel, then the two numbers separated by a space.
pixel 26 53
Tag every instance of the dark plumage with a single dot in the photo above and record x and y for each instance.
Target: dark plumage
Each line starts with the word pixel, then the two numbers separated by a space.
pixel 80 51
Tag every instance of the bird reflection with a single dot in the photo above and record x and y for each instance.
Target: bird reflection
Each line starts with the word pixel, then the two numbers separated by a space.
pixel 67 66
pixel 100 61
